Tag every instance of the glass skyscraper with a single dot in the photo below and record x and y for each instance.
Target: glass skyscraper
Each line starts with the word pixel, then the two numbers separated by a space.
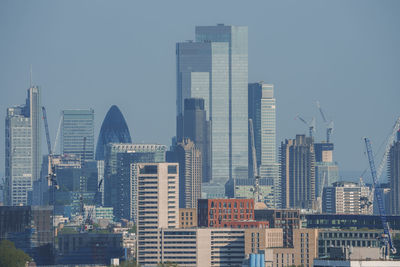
pixel 76 125
pixel 23 153
pixel 262 110
pixel 215 68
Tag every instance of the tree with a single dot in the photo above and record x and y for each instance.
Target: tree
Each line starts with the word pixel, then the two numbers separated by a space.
pixel 11 256
pixel 167 264
pixel 130 263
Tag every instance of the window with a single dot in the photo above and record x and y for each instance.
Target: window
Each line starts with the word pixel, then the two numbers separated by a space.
pixel 172 169
pixel 149 169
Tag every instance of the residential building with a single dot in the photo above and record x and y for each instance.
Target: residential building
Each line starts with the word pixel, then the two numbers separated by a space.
pixel 195 126
pixel 285 219
pixel 262 111
pixel 189 157
pixel 303 253
pixel 187 218
pixel 22 149
pixel 346 197
pixel 113 130
pixel 77 133
pixel 215 68
pixel 297 173
pixel 356 263
pixel 394 176
pixel 196 247
pixel 157 205
pixel 218 212
pixel 257 239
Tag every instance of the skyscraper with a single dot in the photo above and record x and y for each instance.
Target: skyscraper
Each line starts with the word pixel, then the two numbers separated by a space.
pixel 215 68
pixel 189 157
pixel 76 126
pixel 23 155
pixel 113 130
pixel 394 176
pixel 297 172
pixel 195 126
pixel 261 109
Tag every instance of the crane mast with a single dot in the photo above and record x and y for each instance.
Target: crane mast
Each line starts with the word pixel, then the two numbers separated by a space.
pixel 311 125
pixel 379 198
pixel 256 176
pixel 329 125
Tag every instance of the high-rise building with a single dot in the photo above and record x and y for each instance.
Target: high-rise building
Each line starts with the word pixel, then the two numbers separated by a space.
pixel 326 170
pixel 188 155
pixel 262 111
pixel 113 130
pixel 394 176
pixel 193 124
pixel 77 132
pixel 112 180
pixel 215 68
pixel 23 156
pixel 346 197
pixel 297 163
pixel 157 205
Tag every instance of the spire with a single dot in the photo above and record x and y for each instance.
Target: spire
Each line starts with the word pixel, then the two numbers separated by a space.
pixel 30 77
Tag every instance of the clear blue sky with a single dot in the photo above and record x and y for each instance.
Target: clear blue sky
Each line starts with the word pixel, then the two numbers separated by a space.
pixel 93 54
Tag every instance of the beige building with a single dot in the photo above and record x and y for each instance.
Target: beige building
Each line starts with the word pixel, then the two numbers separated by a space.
pixel 261 238
pixel 303 253
pixel 197 247
pixel 187 218
pixel 157 206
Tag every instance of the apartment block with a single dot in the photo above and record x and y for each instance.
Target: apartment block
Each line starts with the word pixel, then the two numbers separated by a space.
pixel 218 212
pixel 157 206
pixel 187 218
pixel 258 239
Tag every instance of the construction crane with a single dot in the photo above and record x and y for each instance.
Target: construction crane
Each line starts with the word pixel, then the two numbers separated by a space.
pixel 256 176
pixel 311 124
pixel 51 172
pixel 329 125
pixel 379 198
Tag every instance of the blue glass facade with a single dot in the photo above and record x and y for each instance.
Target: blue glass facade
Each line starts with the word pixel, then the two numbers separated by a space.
pixel 215 68
pixel 113 130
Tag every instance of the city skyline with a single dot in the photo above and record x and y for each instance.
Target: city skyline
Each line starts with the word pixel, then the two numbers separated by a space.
pixel 340 60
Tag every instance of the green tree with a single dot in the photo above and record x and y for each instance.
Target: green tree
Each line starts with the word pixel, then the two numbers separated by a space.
pixel 167 264
pixel 130 263
pixel 10 256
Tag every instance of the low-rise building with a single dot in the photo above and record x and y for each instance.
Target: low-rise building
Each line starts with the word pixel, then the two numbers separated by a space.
pixel 257 239
pixel 187 218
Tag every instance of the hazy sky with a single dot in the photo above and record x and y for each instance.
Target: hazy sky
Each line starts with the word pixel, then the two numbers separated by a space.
pixel 93 54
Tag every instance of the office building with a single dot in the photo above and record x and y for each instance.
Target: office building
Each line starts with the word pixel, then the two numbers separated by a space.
pixel 218 212
pixel 326 170
pixel 77 133
pixel 22 149
pixel 113 130
pixel 297 159
pixel 262 111
pixel 394 176
pixel 244 188
pixel 111 165
pixel 157 205
pixel 194 125
pixel 30 229
pixel 124 183
pixel 188 155
pixel 346 197
pixel 215 68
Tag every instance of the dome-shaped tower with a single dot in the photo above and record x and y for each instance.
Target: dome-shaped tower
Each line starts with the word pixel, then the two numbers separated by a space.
pixel 113 130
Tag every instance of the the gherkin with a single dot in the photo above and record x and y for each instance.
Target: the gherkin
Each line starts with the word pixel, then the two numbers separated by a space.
pixel 113 130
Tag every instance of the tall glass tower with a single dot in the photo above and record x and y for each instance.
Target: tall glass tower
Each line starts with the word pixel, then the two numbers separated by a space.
pixel 76 125
pixel 215 68
pixel 23 153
